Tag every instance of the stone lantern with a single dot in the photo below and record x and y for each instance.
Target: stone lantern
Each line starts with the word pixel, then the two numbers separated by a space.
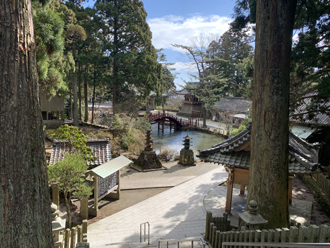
pixel 186 154
pixel 251 219
pixel 58 225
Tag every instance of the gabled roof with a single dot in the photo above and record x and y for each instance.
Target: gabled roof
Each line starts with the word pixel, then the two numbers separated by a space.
pixel 235 104
pixel 187 89
pixel 303 157
pixel 100 147
pixel 111 166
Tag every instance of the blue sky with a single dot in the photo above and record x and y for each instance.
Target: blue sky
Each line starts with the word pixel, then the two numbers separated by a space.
pixel 178 21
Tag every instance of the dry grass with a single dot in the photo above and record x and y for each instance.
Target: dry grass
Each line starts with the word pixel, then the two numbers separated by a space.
pixel 167 154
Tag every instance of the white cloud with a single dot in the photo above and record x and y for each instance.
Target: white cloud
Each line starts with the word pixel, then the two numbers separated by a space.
pixel 172 29
pixel 183 66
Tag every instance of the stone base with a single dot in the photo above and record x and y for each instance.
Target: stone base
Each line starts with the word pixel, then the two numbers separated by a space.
pixel 148 160
pixel 187 158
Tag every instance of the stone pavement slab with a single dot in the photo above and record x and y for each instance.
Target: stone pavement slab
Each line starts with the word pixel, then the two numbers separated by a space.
pixel 153 182
pixel 172 214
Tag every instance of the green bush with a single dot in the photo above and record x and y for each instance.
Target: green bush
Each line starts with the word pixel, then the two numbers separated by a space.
pixel 238 130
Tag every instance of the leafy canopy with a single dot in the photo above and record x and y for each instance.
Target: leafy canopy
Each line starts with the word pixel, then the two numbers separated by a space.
pixel 76 141
pixel 68 175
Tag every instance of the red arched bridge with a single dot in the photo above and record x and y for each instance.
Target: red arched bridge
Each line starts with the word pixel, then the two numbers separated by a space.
pixel 172 120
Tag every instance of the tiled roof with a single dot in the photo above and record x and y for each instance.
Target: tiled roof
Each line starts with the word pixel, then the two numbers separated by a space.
pixel 303 157
pixel 236 104
pixel 317 119
pixel 187 89
pixel 100 147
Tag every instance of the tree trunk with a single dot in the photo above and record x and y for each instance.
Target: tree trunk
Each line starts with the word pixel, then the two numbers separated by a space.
pixel 268 180
pixel 86 100
pixel 67 199
pixel 79 94
pixel 115 85
pixel 204 117
pixel 70 105
pixel 24 196
pixel 93 98
pixel 75 93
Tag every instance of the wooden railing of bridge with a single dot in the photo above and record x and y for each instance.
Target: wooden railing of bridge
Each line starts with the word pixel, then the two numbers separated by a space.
pixel 178 122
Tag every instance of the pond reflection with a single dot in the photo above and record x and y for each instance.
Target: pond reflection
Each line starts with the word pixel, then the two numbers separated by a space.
pixel 174 139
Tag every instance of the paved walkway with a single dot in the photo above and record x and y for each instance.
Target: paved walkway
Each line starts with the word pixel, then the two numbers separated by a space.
pixel 173 214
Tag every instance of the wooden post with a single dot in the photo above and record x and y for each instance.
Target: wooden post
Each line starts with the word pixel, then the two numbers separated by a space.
pixel 242 189
pixel 290 190
pixel 80 234
pixel 230 184
pixel 67 238
pixel 208 221
pixel 73 237
pixel 96 194
pixel 84 230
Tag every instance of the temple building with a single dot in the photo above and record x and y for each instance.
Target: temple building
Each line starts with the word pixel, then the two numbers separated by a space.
pixel 191 106
pixel 234 155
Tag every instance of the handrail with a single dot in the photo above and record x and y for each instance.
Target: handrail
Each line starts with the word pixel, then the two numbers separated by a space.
pixel 182 240
pixel 264 244
pixel 144 236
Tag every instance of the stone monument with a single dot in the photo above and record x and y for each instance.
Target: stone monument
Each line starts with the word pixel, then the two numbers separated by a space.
pixel 148 159
pixel 186 154
pixel 58 226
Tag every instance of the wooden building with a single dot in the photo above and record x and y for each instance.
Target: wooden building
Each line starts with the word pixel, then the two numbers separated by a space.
pixel 234 154
pixel 230 110
pixel 191 104
pixel 104 171
pixel 52 110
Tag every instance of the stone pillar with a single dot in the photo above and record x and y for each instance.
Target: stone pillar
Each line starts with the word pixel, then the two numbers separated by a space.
pixel 94 210
pixel 84 208
pixel 56 195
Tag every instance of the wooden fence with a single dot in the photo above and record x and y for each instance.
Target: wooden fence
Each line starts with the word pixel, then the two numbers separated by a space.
pixel 221 223
pixel 75 235
pixel 323 183
pixel 303 234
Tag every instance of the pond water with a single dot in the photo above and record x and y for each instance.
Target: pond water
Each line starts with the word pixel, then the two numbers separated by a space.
pixel 174 139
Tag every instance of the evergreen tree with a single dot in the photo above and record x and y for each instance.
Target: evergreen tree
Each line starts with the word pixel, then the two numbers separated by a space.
pixel 232 48
pixel 310 54
pixel 24 194
pixel 126 39
pixel 53 67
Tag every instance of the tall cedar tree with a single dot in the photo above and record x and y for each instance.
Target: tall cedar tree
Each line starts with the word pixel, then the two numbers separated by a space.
pixel 310 81
pixel 127 41
pixel 24 195
pixel 268 180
